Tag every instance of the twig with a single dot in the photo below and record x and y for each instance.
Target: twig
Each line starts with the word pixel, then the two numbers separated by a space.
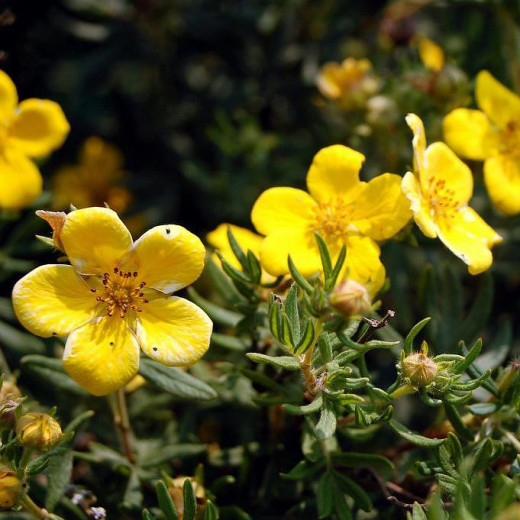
pixel 122 422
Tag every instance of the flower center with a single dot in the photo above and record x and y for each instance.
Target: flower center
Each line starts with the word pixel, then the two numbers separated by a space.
pixel 441 199
pixel 332 219
pixel 121 291
pixel 510 139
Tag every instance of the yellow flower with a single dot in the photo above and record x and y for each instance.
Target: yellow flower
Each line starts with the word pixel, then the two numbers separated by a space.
pixel 350 82
pixel 115 298
pixel 341 208
pixel 431 54
pixel 94 181
pixel 491 134
pixel 247 240
pixel 439 192
pixel 28 130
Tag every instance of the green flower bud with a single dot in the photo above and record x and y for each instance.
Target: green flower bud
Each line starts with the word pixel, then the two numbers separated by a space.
pixel 11 487
pixel 38 430
pixel 419 369
pixel 350 298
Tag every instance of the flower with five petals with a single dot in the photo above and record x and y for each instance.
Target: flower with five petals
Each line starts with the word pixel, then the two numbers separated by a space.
pixel 439 191
pixel 341 208
pixel 28 130
pixel 116 298
pixel 491 134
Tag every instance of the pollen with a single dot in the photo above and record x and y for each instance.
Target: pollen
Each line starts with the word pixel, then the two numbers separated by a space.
pixel 122 292
pixel 442 200
pixel 333 220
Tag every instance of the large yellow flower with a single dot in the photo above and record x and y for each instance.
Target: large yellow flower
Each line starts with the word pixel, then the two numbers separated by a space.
pixel 439 192
pixel 344 210
pixel 28 130
pixel 491 134
pixel 115 298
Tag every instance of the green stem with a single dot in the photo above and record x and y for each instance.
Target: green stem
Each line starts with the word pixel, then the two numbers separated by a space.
pixel 122 422
pixel 27 503
pixel 26 457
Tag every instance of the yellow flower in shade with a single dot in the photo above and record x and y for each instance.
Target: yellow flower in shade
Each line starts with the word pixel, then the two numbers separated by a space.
pixel 95 181
pixel 248 241
pixel 341 208
pixel 115 298
pixel 350 82
pixel 491 134
pixel 28 130
pixel 431 54
pixel 439 192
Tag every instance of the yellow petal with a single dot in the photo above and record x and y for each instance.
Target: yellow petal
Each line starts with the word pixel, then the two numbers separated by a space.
pixel 95 240
pixel 247 240
pixel 418 205
pixel 328 80
pixel 497 101
pixel 173 331
pixel 8 97
pixel 502 178
pixel 20 180
pixel 301 245
pixel 470 238
pixel 167 258
pixel 470 134
pixel 431 54
pixel 443 168
pixel 102 356
pixel 381 210
pixel 418 141
pixel 282 208
pixel 53 300
pixel 334 173
pixel 39 127
pixel 363 263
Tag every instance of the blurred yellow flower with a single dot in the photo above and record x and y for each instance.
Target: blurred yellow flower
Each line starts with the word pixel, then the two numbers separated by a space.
pixel 95 181
pixel 350 82
pixel 247 240
pixel 491 134
pixel 431 54
pixel 115 298
pixel 341 208
pixel 28 130
pixel 439 191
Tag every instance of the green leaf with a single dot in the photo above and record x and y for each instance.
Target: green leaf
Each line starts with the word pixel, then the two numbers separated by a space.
pixel 478 498
pixel 171 452
pixel 133 496
pixel 341 507
pixel 312 407
pixel 255 269
pixel 78 421
pixel 59 472
pixel 298 278
pixel 210 511
pixel 303 470
pixel 349 487
pixel 358 460
pixel 190 504
pixel 165 501
pixel 325 257
pixel 456 421
pixel 325 495
pixel 18 341
pixel 215 312
pixel 51 369
pixel 483 409
pixel 337 269
pixel 471 356
pixel 237 250
pixel 291 310
pixel 418 512
pixel 285 362
pixel 408 341
pixel 175 381
pixel 325 348
pixel 275 318
pixel 308 337
pixel 229 342
pixel 414 437
pixel 327 424
pixel 147 515
pixel 482 457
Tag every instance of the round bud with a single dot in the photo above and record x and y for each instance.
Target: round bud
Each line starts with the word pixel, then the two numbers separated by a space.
pixel 350 298
pixel 38 430
pixel 419 369
pixel 11 487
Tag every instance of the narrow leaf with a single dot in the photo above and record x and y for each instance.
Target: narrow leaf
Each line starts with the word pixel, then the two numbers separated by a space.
pixel 165 501
pixel 298 278
pixel 327 424
pixel 59 472
pixel 190 504
pixel 285 362
pixel 414 437
pixel 408 341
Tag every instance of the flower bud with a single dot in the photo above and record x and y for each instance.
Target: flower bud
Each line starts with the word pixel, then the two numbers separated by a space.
pixel 175 487
pixel 9 400
pixel 38 430
pixel 419 369
pixel 11 487
pixel 350 298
